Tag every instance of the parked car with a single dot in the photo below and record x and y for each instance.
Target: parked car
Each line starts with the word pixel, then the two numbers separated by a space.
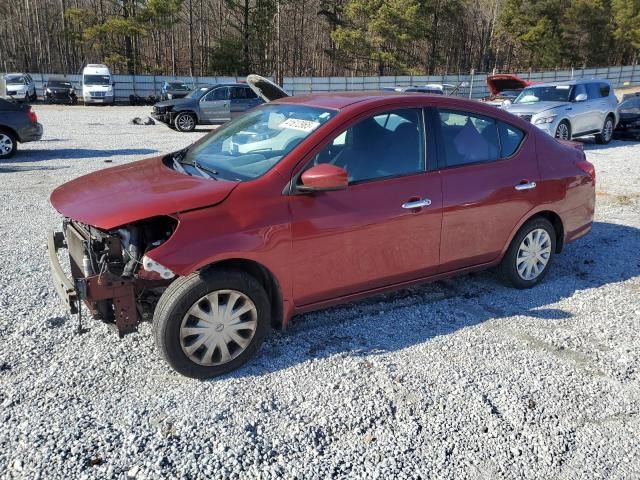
pixel 20 86
pixel 98 85
pixel 312 201
pixel 173 90
pixel 209 105
pixel 629 112
pixel 568 110
pixel 504 86
pixel 60 90
pixel 18 123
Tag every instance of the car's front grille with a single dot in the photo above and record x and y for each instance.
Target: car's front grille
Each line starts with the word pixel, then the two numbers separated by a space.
pixel 526 117
pixel 97 94
pixel 158 109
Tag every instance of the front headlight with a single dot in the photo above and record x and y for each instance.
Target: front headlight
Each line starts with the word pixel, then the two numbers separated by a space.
pixel 543 120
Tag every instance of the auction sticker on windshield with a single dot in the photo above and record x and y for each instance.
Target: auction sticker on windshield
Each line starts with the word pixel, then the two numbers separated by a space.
pixel 297 124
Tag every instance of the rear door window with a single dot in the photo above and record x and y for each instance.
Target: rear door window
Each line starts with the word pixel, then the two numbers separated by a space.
pixel 593 91
pixel 468 138
pixel 510 139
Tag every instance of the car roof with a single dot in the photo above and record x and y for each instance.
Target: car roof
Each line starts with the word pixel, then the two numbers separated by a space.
pixel 581 81
pixel 340 100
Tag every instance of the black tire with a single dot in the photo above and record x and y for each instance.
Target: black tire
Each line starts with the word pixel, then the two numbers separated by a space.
pixel 182 294
pixel 507 270
pixel 558 133
pixel 606 134
pixel 8 139
pixel 185 122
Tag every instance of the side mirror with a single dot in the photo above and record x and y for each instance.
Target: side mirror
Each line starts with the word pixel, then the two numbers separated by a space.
pixel 506 103
pixel 581 97
pixel 324 177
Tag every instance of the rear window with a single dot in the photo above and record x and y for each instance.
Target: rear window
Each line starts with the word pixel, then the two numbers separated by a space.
pixel 604 89
pixel 593 90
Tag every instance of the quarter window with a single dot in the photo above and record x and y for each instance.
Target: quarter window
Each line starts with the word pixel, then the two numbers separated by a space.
pixel 604 89
pixel 386 145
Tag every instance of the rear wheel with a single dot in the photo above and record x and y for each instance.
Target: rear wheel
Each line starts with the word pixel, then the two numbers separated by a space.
pixel 208 324
pixel 563 130
pixel 530 254
pixel 606 133
pixel 185 122
pixel 8 144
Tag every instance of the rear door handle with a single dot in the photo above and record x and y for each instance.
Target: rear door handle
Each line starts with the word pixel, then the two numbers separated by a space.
pixel 525 186
pixel 417 204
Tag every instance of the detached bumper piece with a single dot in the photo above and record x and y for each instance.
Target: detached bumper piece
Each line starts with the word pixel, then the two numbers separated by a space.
pixel 108 297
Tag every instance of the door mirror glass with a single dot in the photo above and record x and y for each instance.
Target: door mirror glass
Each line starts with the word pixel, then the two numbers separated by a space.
pixel 324 177
pixel 581 97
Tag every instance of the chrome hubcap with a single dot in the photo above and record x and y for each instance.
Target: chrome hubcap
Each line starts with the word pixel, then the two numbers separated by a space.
pixel 533 254
pixel 607 131
pixel 6 144
pixel 562 132
pixel 218 327
pixel 186 122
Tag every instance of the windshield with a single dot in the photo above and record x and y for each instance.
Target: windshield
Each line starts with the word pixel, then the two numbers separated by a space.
pixel 178 86
pixel 253 143
pixel 14 78
pixel 197 93
pixel 58 84
pixel 97 80
pixel 550 93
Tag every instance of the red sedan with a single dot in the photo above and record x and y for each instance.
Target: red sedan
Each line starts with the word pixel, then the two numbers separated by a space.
pixel 312 201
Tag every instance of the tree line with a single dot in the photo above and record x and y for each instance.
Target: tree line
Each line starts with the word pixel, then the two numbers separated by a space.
pixel 316 37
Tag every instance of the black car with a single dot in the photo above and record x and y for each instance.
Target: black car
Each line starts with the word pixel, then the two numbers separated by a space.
pixel 211 105
pixel 629 112
pixel 60 90
pixel 18 123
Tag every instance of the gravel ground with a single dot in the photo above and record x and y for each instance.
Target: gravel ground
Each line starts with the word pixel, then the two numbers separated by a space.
pixel 459 379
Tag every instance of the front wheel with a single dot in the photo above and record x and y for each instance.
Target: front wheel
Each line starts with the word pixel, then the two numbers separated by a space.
pixel 185 122
pixel 606 133
pixel 563 131
pixel 210 323
pixel 529 256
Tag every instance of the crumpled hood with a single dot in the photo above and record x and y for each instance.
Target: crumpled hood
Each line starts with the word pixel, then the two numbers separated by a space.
pixel 533 108
pixel 116 196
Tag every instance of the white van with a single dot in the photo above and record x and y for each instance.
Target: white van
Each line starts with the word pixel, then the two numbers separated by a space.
pixel 97 84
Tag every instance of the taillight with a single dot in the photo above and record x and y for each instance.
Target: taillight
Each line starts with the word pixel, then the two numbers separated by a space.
pixel 587 168
pixel 32 116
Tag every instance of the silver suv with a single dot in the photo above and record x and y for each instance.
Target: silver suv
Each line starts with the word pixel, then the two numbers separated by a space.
pixel 568 110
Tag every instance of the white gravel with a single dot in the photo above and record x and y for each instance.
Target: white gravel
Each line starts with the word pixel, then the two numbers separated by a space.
pixel 458 379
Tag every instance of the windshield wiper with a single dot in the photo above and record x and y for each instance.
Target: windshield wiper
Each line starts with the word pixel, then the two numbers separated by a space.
pixel 202 170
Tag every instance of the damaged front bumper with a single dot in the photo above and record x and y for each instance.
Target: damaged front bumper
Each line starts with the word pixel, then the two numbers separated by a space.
pixel 108 297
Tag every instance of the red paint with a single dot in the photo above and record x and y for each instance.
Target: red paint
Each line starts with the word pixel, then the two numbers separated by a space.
pixel 328 247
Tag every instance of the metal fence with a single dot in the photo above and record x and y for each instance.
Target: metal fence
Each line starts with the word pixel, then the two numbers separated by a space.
pixel 475 83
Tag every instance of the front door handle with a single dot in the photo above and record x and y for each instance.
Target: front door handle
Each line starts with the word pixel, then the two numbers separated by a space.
pixel 417 203
pixel 525 186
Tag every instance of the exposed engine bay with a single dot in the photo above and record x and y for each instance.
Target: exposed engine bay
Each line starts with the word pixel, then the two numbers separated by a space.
pixel 111 273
